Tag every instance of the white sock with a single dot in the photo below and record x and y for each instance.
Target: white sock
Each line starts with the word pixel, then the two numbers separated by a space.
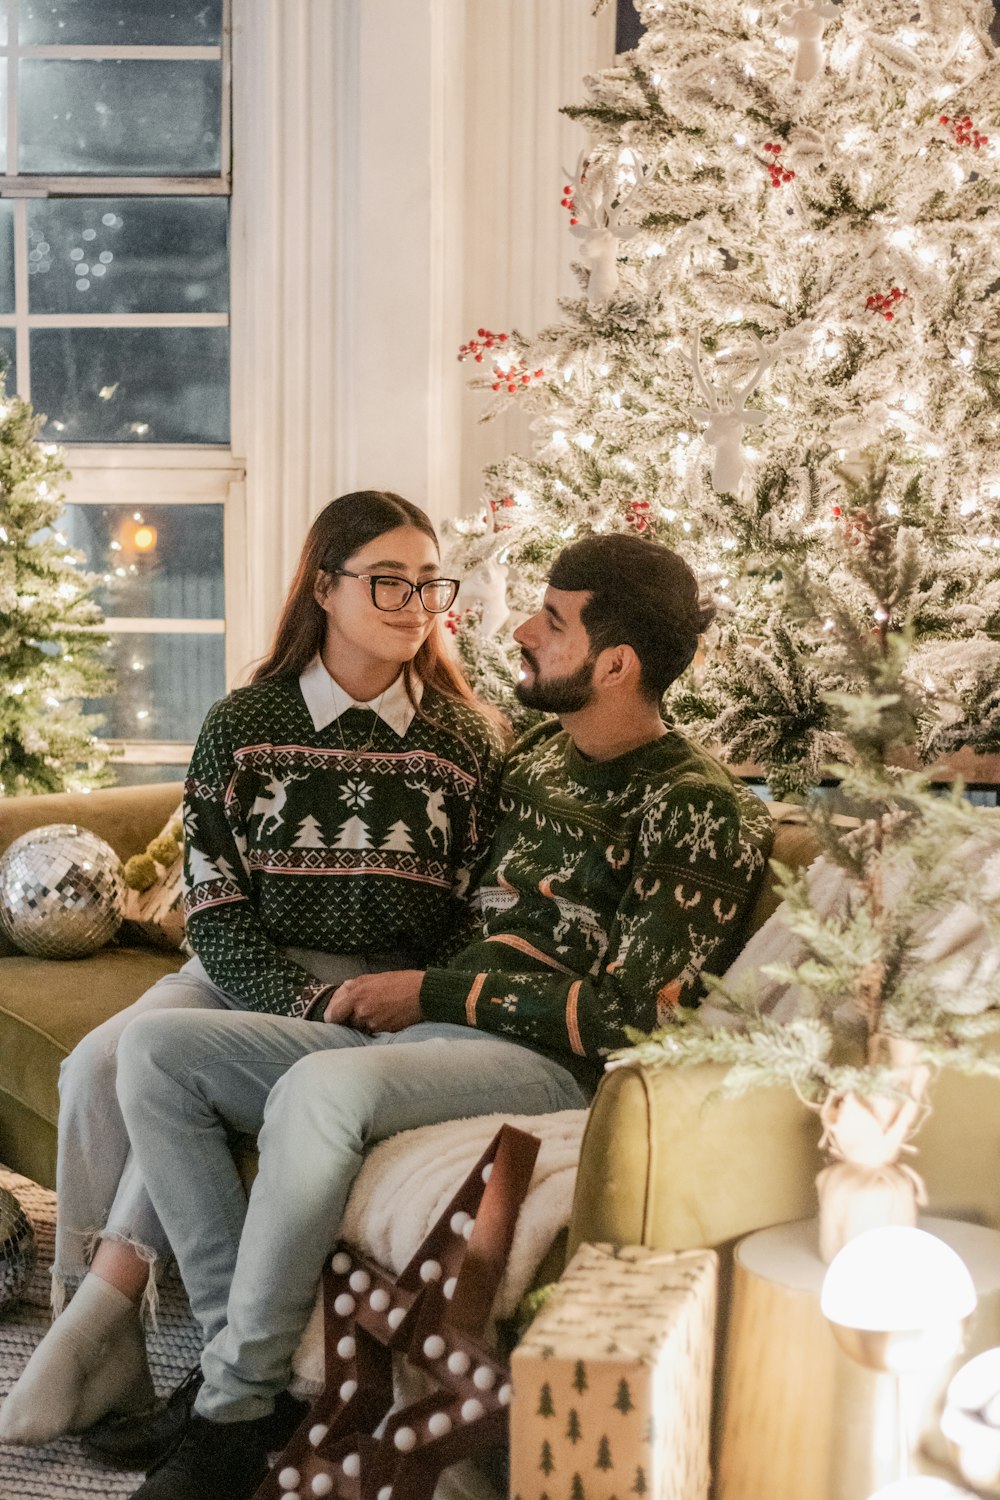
pixel 92 1361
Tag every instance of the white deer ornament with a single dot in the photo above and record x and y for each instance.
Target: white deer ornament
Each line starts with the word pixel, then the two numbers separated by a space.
pixel 486 585
pixel 804 25
pixel 600 194
pixel 725 424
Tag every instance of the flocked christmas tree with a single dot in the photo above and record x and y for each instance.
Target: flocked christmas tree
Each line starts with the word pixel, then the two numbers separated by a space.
pixel 884 963
pixel 50 658
pixel 787 223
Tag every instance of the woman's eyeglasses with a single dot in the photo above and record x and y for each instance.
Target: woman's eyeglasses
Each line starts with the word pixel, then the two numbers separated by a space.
pixel 391 593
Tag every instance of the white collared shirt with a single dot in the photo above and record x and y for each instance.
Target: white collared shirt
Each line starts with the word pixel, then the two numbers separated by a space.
pixel 326 700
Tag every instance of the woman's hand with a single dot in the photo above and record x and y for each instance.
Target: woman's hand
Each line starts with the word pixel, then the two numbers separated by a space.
pixel 377 1002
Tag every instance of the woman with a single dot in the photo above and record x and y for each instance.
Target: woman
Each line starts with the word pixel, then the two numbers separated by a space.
pixel 335 810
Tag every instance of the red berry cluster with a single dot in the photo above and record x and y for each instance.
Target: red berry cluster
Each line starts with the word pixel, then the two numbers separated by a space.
pixel 507 502
pixel 477 349
pixel 451 620
pixel 638 515
pixel 567 202
pixel 778 173
pixel 516 373
pixel 516 376
pixel 964 131
pixel 886 303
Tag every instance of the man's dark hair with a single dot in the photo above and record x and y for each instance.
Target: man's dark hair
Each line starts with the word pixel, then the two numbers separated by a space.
pixel 643 596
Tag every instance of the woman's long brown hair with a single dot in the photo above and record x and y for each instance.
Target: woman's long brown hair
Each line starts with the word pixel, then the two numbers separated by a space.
pixel 342 528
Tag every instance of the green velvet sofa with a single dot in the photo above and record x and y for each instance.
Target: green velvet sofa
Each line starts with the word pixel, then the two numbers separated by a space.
pixel 664 1163
pixel 46 1006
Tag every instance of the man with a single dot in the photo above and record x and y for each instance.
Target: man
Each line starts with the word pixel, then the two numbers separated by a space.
pixel 624 863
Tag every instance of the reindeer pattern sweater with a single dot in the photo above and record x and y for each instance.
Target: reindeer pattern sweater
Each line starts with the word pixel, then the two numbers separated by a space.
pixel 298 836
pixel 612 886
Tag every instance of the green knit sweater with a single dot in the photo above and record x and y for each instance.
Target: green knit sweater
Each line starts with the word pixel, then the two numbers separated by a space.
pixel 302 838
pixel 611 887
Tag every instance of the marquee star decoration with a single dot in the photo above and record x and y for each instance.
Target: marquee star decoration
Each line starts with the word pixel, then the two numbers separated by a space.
pixel 433 1313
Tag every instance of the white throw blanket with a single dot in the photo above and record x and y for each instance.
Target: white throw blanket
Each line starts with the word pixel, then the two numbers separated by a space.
pixel 406 1183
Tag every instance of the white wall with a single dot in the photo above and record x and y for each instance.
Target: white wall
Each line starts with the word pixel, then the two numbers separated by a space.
pixel 397 167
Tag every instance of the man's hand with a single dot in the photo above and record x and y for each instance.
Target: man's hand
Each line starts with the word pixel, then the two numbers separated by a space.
pixel 377 1002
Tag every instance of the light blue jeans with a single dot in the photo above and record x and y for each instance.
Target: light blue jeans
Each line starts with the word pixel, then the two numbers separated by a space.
pixel 319 1096
pixel 99 1188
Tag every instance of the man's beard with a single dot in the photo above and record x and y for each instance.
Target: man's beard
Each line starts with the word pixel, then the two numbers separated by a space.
pixel 558 695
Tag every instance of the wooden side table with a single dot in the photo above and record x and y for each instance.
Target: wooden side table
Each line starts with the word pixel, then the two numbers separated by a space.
pixel 798 1419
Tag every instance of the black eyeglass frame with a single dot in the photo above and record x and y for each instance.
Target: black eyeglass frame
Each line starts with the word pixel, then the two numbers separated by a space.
pixel 414 588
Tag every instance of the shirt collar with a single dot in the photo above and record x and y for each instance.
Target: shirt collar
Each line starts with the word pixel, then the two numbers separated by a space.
pixel 326 700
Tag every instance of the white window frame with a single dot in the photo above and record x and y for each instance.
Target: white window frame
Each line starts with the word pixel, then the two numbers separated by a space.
pixel 130 474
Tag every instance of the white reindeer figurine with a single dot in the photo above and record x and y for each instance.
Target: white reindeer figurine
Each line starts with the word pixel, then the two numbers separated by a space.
pixel 804 25
pixel 486 584
pixel 599 197
pixel 725 425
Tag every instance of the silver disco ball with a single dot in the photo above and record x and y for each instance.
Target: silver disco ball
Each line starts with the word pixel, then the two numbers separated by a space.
pixel 17 1249
pixel 61 892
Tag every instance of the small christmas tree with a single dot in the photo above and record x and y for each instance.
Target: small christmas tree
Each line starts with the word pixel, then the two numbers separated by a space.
pixel 310 835
pixel 49 656
pixel 787 229
pixel 623 1400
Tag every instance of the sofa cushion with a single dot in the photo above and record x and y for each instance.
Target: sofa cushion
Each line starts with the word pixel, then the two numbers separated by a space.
pixel 795 844
pixel 45 1008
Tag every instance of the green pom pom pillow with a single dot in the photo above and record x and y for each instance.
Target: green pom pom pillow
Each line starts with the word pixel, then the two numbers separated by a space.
pixel 154 890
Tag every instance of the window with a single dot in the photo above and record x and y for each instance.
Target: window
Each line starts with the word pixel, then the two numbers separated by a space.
pixel 114 322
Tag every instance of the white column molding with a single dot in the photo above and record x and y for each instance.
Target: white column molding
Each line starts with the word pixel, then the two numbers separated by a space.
pixel 396 182
pixel 347 213
pixel 523 62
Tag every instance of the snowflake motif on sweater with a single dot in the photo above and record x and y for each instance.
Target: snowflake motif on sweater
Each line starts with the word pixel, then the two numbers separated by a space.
pixel 611 888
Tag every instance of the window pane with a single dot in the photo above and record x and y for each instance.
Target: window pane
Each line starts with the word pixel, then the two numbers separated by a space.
pixel 156 561
pixel 8 362
pixel 132 385
pixel 166 698
pixel 129 23
pixel 128 255
pixel 3 114
pixel 120 118
pixel 132 774
pixel 6 255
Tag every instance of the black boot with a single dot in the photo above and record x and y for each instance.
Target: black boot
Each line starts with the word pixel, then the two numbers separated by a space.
pixel 140 1441
pixel 212 1461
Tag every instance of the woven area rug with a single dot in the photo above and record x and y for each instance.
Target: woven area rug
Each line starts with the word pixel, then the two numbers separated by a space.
pixel 61 1471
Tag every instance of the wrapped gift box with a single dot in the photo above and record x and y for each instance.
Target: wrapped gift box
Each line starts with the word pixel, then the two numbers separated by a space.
pixel 613 1380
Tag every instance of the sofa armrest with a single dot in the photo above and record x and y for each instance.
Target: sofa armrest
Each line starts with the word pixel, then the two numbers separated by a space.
pixel 127 817
pixel 669 1164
